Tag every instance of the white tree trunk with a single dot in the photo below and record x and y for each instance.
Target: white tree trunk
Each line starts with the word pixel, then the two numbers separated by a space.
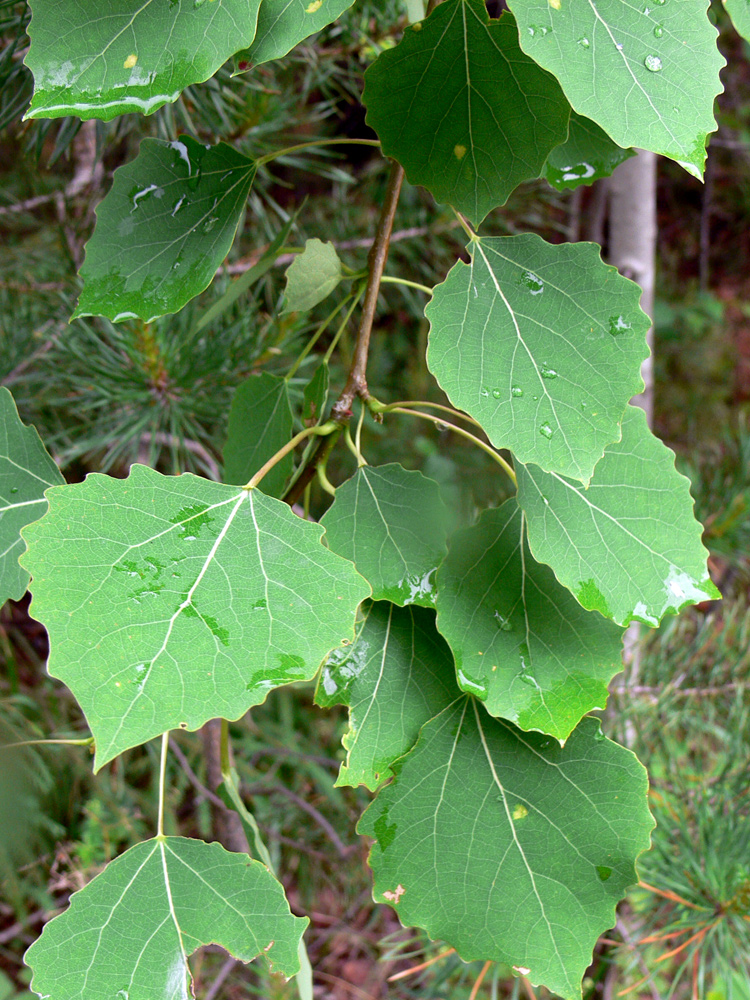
pixel 632 241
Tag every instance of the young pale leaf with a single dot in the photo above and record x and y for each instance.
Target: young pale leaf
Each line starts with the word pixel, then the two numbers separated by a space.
pixel 522 642
pixel 587 155
pixel 392 524
pixel 739 11
pixel 460 106
pixel 163 229
pixel 260 423
pixel 507 846
pixel 26 470
pixel 397 676
pixel 315 396
pixel 312 276
pixel 128 934
pixel 629 545
pixel 172 600
pixel 282 24
pixel 648 74
pixel 542 345
pixel 137 57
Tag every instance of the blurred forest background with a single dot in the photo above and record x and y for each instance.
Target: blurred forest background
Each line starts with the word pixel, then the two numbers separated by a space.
pixel 103 396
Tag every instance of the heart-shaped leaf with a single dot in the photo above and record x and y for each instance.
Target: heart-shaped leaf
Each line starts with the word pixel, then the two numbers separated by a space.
pixel 507 846
pixel 397 675
pixel 128 934
pixel 170 600
pixel 282 24
pixel 392 525
pixel 163 229
pixel 136 55
pixel 648 74
pixel 312 276
pixel 629 545
pixel 461 107
pixel 522 642
pixel 542 345
pixel 26 470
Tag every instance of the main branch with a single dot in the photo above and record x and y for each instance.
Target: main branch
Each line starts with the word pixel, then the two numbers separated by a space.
pixel 356 384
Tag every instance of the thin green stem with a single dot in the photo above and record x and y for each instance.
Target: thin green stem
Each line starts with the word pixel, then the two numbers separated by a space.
pixel 465 226
pixel 409 284
pixel 409 403
pixel 315 337
pixel 353 448
pixel 31 743
pixel 224 758
pixel 342 326
pixel 321 429
pixel 316 142
pixel 325 482
pixel 465 434
pixel 162 783
pixel 358 433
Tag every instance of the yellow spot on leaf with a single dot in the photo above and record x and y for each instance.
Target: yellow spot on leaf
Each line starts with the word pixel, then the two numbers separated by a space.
pixel 555 4
pixel 312 7
pixel 520 812
pixel 459 152
pixel 417 26
pixel 130 61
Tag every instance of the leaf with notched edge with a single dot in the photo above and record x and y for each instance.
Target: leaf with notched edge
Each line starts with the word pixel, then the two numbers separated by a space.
pixel 522 642
pixel 629 545
pixel 129 932
pixel 507 846
pixel 26 471
pixel 171 600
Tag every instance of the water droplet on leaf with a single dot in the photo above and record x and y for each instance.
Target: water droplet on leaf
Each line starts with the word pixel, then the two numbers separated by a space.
pixel 584 42
pixel 546 431
pixel 496 393
pixel 533 282
pixel 516 391
pixel 548 372
pixel 618 325
pixel 658 31
pixel 14 489
pixel 653 63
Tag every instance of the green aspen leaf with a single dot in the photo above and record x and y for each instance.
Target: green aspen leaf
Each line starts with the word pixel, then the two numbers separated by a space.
pixel 521 641
pixel 542 345
pixel 507 846
pixel 397 676
pixel 163 229
pixel 260 423
pixel 739 11
pixel 648 74
pixel 128 934
pixel 282 24
pixel 137 57
pixel 629 545
pixel 461 107
pixel 587 155
pixel 312 276
pixel 315 396
pixel 171 600
pixel 392 524
pixel 26 470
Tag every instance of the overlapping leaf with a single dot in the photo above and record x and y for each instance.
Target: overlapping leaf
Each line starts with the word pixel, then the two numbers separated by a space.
pixel 282 24
pixel 739 11
pixel 163 229
pixel 129 932
pixel 587 155
pixel 522 642
pixel 392 525
pixel 26 470
pixel 315 396
pixel 136 56
pixel 542 345
pixel 312 276
pixel 397 676
pixel 461 107
pixel 260 423
pixel 629 545
pixel 507 846
pixel 172 600
pixel 648 74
